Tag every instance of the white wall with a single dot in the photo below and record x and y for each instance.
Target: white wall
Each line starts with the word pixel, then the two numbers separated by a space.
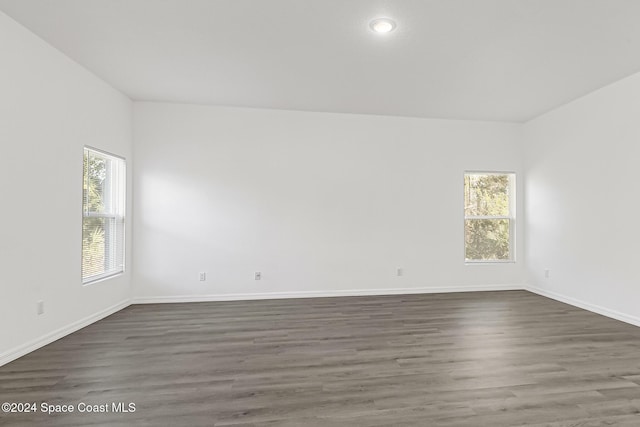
pixel 319 203
pixel 49 108
pixel 583 197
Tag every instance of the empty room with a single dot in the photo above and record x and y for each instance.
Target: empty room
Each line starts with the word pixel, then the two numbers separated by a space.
pixel 319 213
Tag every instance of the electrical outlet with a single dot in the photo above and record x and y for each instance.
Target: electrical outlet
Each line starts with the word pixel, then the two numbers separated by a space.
pixel 203 276
pixel 547 273
pixel 399 272
pixel 257 275
pixel 40 307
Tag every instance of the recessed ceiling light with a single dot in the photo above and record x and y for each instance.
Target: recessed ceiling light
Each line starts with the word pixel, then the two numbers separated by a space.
pixel 382 25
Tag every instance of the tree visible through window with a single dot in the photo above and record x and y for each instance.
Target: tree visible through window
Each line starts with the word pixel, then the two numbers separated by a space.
pixel 489 220
pixel 103 203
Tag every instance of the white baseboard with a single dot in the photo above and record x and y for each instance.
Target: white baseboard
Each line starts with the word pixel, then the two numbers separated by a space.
pixel 585 305
pixel 35 344
pixel 319 294
pixel 20 351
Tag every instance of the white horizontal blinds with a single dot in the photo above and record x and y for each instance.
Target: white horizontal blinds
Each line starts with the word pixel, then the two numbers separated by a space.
pixel 103 215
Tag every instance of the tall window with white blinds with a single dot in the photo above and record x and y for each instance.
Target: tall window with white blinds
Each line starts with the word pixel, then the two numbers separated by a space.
pixel 103 215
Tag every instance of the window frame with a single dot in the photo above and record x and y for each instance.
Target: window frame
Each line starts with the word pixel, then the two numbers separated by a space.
pixel 511 191
pixel 118 214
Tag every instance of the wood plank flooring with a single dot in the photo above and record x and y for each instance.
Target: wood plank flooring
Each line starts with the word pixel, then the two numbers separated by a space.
pixel 446 360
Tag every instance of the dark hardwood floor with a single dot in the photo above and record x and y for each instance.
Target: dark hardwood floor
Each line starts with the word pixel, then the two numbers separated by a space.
pixel 466 359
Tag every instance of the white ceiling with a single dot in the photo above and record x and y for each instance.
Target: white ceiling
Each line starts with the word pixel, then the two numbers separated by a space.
pixel 505 60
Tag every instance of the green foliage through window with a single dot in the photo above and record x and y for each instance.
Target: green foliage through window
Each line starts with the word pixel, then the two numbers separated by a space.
pixel 102 215
pixel 488 216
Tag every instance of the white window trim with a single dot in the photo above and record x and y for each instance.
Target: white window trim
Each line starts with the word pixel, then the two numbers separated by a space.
pixel 511 218
pixel 120 218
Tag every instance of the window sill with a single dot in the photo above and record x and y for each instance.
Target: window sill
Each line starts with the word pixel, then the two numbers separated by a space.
pixel 495 262
pixel 102 278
